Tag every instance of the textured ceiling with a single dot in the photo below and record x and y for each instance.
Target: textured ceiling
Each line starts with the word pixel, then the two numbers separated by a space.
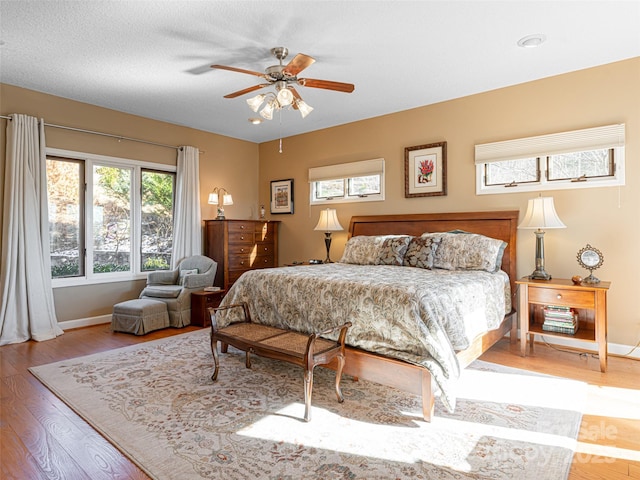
pixel 151 58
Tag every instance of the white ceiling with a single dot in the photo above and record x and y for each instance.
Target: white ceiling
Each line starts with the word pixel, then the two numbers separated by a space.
pixel 151 58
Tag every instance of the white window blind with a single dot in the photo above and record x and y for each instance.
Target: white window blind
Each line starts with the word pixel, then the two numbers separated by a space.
pixel 347 170
pixel 610 136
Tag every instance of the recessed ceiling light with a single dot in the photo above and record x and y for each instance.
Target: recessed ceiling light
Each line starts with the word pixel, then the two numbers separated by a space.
pixel 255 121
pixel 532 41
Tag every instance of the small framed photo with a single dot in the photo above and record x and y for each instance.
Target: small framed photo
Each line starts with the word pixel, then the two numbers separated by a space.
pixel 425 170
pixel 282 196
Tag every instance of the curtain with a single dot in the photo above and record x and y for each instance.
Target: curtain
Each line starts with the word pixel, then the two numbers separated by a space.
pixel 187 226
pixel 26 308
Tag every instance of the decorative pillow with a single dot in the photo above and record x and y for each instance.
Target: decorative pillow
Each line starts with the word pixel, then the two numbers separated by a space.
pixel 459 250
pixel 185 272
pixel 375 250
pixel 393 250
pixel 420 252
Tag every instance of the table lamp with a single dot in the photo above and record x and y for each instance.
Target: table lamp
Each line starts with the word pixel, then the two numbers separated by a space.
pixel 541 215
pixel 328 223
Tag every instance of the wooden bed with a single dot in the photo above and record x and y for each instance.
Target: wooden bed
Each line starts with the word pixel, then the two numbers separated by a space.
pixel 409 377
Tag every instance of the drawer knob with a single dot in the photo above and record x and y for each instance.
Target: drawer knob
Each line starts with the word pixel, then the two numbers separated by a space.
pixel 241 237
pixel 241 227
pixel 559 296
pixel 242 263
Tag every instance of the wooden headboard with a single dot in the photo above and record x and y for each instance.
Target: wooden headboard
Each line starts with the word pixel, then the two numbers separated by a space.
pixel 501 225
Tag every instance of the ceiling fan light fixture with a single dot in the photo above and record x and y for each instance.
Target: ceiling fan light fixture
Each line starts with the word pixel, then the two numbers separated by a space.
pixel 267 111
pixel 285 97
pixel 303 108
pixel 255 102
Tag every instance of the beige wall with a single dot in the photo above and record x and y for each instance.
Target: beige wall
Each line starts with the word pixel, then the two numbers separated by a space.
pixel 224 161
pixel 607 218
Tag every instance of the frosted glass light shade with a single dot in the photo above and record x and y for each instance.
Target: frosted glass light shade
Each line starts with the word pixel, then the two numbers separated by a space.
pixel 255 102
pixel 213 198
pixel 227 199
pixel 285 97
pixel 303 108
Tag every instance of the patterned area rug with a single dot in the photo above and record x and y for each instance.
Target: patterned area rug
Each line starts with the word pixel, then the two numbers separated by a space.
pixel 156 402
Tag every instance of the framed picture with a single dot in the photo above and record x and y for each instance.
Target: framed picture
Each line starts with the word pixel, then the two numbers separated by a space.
pixel 282 196
pixel 425 170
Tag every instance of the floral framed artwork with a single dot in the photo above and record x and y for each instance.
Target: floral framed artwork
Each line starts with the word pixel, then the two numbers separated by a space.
pixel 282 196
pixel 425 170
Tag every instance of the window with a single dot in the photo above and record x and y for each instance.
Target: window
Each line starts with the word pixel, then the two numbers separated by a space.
pixel 109 218
pixel 591 157
pixel 348 182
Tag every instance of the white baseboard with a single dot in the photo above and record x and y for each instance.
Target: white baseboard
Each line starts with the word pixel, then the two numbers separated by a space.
pixel 613 348
pixel 85 322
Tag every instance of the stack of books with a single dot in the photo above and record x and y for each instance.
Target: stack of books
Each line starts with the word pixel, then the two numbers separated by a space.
pixel 560 319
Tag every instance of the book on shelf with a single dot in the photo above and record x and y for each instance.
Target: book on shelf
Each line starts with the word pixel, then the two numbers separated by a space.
pixel 560 329
pixel 560 320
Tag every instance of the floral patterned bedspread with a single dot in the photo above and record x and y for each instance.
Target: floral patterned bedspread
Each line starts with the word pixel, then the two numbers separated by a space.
pixel 412 314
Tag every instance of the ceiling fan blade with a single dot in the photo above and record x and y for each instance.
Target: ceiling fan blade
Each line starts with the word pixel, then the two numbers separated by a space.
pixel 298 63
pixel 239 70
pixel 327 85
pixel 246 90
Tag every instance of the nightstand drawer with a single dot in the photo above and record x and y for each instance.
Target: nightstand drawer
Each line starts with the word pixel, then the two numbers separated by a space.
pixel 568 298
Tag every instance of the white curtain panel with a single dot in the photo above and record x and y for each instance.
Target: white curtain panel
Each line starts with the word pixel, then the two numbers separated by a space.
pixel 187 225
pixel 27 309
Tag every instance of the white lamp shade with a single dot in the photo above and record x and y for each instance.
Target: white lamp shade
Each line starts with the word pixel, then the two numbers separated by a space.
pixel 226 199
pixel 255 102
pixel 213 198
pixel 541 214
pixel 328 221
pixel 303 108
pixel 285 97
pixel 267 111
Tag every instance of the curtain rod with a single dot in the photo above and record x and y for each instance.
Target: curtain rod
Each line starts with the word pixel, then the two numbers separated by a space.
pixel 119 137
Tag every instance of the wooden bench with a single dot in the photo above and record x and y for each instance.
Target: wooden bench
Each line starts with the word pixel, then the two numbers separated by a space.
pixel 305 350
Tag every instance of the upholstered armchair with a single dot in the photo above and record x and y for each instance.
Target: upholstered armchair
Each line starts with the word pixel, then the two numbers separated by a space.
pixel 174 287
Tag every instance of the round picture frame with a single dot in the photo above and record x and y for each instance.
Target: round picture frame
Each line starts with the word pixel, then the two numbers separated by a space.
pixel 590 258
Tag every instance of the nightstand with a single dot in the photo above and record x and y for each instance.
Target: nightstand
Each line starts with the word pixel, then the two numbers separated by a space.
pixel 200 303
pixel 588 301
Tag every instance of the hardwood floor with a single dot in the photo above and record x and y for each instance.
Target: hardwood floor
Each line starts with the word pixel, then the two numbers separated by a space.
pixel 40 437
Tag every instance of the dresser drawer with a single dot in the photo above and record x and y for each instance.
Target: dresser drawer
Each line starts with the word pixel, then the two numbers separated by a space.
pixel 247 262
pixel 265 232
pixel 568 298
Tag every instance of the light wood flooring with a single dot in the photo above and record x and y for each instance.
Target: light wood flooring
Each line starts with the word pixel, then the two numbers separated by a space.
pixel 40 437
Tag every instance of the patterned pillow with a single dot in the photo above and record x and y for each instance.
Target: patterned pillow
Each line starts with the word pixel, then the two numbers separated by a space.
pixel 393 250
pixel 375 250
pixel 420 252
pixel 467 251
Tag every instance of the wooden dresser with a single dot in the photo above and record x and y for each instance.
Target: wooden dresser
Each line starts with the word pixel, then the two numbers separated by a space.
pixel 240 245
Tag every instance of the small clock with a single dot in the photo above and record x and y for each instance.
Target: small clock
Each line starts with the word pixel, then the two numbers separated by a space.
pixel 590 258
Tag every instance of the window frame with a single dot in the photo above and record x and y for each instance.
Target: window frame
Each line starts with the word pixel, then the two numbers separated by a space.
pixel 89 160
pixel 345 172
pixel 545 146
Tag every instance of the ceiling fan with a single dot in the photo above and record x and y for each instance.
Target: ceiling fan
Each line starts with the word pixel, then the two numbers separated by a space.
pixel 284 78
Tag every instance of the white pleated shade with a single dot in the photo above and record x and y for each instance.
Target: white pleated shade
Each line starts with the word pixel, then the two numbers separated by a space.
pixel 328 221
pixel 541 213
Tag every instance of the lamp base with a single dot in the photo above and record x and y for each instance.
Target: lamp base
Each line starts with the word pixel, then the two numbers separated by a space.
pixel 539 275
pixel 327 244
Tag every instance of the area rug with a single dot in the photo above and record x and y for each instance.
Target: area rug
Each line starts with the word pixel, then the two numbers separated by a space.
pixel 156 402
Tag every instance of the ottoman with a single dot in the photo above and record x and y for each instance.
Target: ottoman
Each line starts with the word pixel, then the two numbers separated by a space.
pixel 139 316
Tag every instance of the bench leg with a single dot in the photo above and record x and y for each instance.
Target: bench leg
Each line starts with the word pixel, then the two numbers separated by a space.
pixel 308 389
pixel 216 360
pixel 339 377
pixel 247 360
